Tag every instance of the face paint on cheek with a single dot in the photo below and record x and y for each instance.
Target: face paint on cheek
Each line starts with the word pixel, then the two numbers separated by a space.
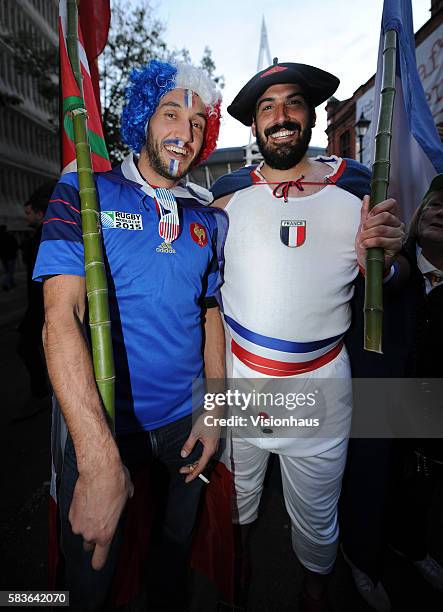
pixel 174 164
pixel 189 98
pixel 174 167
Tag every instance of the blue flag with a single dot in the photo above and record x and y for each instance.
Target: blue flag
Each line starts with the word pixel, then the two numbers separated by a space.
pixel 416 149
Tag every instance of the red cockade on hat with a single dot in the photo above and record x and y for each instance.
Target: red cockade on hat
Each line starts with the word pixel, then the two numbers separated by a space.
pixel 272 70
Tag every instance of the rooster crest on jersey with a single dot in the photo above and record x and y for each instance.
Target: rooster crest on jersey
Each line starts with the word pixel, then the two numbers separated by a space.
pixel 293 232
pixel 198 234
pixel 153 81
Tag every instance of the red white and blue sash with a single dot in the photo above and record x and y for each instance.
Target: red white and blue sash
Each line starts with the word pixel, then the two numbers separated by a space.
pixel 275 357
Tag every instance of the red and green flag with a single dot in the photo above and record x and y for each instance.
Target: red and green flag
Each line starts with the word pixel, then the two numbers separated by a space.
pixel 92 13
pixel 95 17
pixel 96 14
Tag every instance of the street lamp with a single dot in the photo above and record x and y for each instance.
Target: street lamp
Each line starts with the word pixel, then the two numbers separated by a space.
pixel 361 127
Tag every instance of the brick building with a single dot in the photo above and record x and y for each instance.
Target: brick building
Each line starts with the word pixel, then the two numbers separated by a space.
pixel 342 115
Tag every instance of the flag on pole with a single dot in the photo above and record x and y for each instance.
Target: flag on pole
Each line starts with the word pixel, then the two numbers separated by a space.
pixel 72 99
pixel 416 149
pixel 95 17
pixel 214 548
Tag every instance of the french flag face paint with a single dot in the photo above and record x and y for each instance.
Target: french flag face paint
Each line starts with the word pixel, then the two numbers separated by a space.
pixel 174 164
pixel 189 98
pixel 174 141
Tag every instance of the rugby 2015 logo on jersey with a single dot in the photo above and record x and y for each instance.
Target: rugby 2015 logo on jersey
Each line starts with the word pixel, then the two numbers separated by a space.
pixel 114 219
pixel 293 232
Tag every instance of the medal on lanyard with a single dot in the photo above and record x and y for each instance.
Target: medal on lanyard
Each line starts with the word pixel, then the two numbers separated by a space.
pixel 169 223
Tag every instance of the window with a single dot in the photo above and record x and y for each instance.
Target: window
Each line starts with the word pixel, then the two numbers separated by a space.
pixel 345 144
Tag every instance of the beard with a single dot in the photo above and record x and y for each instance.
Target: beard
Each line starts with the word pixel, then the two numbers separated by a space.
pixel 152 152
pixel 287 155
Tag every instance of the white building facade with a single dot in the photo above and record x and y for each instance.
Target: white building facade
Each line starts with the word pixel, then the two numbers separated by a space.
pixel 29 144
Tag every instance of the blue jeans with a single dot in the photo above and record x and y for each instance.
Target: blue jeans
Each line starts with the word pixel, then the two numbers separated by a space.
pixel 178 501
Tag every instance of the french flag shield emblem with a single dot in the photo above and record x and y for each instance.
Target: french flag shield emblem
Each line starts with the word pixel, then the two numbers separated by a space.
pixel 293 232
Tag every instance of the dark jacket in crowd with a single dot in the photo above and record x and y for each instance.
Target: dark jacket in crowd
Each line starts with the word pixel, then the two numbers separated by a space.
pixel 8 246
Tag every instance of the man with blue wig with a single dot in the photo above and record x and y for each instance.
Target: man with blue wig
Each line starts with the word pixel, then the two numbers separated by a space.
pixel 162 247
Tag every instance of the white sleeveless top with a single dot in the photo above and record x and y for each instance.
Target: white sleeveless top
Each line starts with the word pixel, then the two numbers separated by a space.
pixel 289 268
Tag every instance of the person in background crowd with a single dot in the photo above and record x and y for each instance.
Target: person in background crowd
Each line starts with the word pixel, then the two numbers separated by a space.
pixel 8 257
pixel 389 484
pixel 423 459
pixel 30 347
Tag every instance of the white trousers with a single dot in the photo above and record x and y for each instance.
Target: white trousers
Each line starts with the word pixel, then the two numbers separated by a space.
pixel 311 488
pixel 311 469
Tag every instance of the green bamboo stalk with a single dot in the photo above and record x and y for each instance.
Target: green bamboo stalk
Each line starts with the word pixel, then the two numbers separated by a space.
pixel 96 283
pixel 373 309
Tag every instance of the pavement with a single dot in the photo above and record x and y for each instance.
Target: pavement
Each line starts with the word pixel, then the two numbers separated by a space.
pixel 24 458
pixel 276 574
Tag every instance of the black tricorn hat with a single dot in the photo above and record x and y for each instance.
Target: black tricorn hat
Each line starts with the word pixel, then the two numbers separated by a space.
pixel 317 84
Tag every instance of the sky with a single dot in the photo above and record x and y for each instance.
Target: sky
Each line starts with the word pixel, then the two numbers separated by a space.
pixel 340 36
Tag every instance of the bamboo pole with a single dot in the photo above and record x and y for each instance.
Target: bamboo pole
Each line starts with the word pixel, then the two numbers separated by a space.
pixel 96 283
pixel 373 309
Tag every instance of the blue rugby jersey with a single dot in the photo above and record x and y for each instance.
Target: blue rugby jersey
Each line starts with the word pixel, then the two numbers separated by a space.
pixel 155 297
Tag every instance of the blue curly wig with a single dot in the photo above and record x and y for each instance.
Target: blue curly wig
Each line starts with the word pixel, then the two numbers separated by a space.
pixel 150 83
pixel 143 94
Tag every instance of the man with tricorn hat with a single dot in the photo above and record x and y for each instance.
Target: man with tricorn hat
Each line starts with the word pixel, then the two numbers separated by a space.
pixel 298 235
